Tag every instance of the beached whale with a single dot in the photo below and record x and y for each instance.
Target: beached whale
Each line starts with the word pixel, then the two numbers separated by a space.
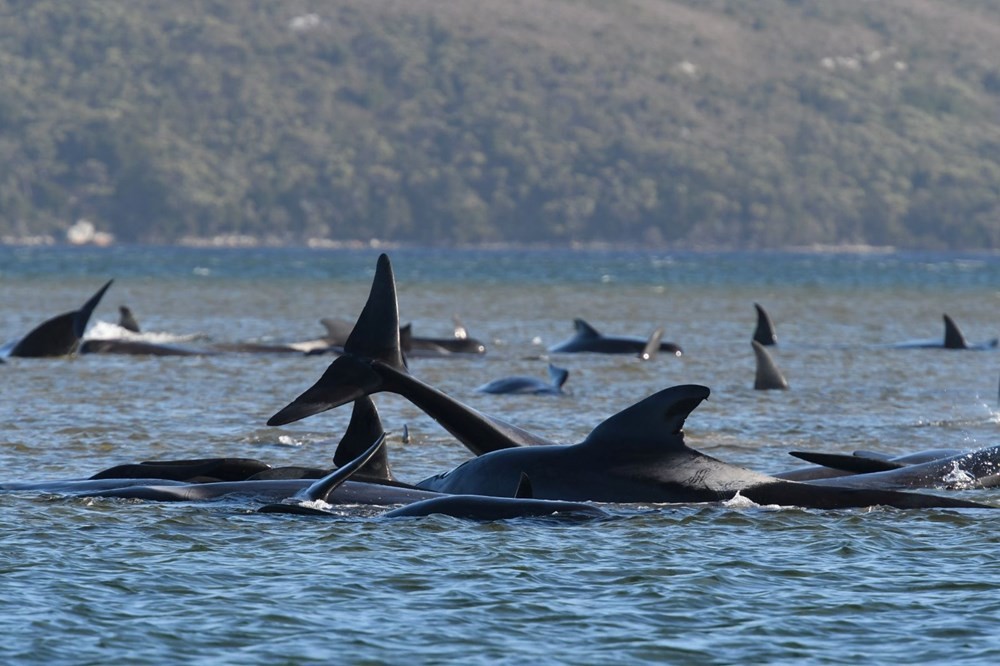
pixel 639 455
pixel 953 339
pixel 589 339
pixel 526 385
pixel 60 335
pixel 938 468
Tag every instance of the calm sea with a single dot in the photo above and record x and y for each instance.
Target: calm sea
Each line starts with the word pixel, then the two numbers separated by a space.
pixel 99 581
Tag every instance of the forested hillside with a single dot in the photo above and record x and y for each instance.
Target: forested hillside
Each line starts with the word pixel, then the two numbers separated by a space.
pixel 769 123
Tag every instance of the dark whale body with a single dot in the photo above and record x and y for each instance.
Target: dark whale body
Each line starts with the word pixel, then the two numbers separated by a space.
pixel 588 339
pixel 60 335
pixel 525 385
pixel 953 339
pixel 639 455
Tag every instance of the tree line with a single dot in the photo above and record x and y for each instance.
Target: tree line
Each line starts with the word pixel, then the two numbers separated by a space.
pixel 658 122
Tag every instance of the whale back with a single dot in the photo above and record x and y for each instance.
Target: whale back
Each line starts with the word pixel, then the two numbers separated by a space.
pixel 60 335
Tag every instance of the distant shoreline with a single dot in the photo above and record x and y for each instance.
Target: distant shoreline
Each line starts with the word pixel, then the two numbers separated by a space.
pixel 246 242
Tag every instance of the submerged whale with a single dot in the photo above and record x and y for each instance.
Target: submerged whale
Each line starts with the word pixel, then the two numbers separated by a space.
pixel 60 335
pixel 953 339
pixel 639 455
pixel 525 385
pixel 588 339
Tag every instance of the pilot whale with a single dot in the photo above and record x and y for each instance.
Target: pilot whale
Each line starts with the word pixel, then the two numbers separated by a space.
pixel 525 385
pixel 311 500
pixel 60 335
pixel 943 468
pixel 372 361
pixel 588 339
pixel 639 455
pixel 953 339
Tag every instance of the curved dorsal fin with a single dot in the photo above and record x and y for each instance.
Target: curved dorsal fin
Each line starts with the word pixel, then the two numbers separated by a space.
pixel 364 427
pixel 764 333
pixel 585 330
pixel 524 490
pixel 768 376
pixel 953 338
pixel 652 425
pixel 558 375
pixel 127 320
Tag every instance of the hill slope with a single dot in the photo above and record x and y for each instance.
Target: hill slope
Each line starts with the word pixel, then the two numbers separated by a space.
pixel 720 122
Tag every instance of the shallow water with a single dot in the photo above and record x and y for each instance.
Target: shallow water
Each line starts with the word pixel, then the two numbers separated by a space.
pixel 90 581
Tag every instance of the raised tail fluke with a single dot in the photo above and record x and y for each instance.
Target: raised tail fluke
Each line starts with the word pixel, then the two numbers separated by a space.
pixel 375 337
pixel 376 334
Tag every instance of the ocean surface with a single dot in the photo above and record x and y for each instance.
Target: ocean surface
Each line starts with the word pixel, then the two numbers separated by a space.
pixel 96 581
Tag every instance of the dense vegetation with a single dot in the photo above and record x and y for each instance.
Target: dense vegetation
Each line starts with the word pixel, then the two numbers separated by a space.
pixel 688 122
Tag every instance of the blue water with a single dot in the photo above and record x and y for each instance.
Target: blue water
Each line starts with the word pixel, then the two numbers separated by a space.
pixel 93 581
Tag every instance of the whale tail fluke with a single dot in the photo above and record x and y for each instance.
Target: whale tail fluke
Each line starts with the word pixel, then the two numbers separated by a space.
pixel 374 338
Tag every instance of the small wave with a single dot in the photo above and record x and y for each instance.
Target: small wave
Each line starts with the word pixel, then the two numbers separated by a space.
pixel 105 330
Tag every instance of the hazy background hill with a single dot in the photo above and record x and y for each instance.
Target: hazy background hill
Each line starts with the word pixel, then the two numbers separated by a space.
pixel 702 122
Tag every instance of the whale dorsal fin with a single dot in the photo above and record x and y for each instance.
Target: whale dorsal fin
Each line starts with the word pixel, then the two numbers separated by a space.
pixel 524 490
pixel 651 426
pixel 364 427
pixel 60 335
pixel 376 333
pixel 764 333
pixel 652 345
pixel 585 330
pixel 127 320
pixel 768 376
pixel 558 375
pixel 953 338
